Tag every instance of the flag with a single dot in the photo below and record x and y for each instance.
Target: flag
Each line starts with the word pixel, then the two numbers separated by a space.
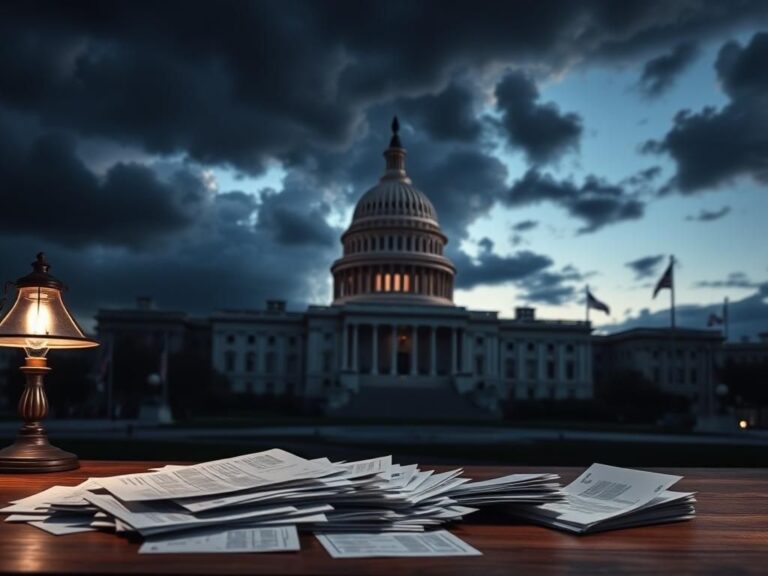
pixel 713 320
pixel 665 281
pixel 593 302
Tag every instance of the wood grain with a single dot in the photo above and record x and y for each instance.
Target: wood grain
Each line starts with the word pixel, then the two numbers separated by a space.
pixel 729 536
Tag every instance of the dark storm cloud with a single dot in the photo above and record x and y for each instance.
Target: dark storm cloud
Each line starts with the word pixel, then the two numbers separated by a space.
pixel 463 186
pixel 552 287
pixel 448 115
pixel 595 202
pixel 644 177
pixel 244 83
pixel 491 269
pixel 540 130
pixel 297 215
pixel 660 73
pixel 236 207
pixel 734 280
pixel 712 147
pixel 49 192
pixel 646 267
pixel 525 225
pixel 709 215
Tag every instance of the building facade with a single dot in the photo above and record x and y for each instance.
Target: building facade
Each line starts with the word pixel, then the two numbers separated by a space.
pixel 393 334
pixel 681 362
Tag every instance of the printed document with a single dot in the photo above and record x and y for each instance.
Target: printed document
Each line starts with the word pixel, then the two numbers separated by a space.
pixel 223 540
pixel 216 477
pixel 372 545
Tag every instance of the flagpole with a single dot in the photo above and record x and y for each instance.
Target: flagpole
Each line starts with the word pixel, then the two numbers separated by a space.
pixel 672 291
pixel 673 351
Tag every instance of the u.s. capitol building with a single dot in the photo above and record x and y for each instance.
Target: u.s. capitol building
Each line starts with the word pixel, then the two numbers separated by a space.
pixel 392 342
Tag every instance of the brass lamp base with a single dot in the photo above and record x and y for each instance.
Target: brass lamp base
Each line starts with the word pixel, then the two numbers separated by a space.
pixel 32 453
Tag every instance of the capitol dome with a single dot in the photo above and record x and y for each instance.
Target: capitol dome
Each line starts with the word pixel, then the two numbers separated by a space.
pixel 393 249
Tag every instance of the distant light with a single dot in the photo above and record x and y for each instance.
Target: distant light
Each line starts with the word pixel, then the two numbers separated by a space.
pixel 743 424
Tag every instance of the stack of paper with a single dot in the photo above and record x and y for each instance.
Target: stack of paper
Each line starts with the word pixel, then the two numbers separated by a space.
pixel 255 502
pixel 608 498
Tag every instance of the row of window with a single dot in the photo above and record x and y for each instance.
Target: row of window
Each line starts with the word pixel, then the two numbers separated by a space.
pixel 532 370
pixel 413 281
pixel 250 362
pixel 251 339
pixel 677 375
pixel 423 244
pixel 531 393
pixel 530 346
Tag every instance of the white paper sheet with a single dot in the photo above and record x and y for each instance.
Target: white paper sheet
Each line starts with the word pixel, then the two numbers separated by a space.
pixel 603 492
pixel 62 528
pixel 238 540
pixel 372 545
pixel 216 477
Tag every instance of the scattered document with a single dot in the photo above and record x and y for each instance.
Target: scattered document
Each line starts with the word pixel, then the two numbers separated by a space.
pixel 606 497
pixel 231 540
pixel 373 545
pixel 375 507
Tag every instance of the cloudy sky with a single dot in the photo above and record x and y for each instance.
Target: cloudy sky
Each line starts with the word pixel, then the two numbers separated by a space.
pixel 210 154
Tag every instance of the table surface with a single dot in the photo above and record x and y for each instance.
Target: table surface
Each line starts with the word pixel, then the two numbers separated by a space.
pixel 729 536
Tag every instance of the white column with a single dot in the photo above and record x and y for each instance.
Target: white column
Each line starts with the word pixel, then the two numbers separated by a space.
pixel 414 350
pixel 433 351
pixel 454 359
pixel 393 351
pixel 375 352
pixel 465 355
pixel 345 347
pixel 354 347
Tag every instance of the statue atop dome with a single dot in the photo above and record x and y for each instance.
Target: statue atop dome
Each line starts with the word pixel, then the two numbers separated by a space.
pixel 395 156
pixel 395 141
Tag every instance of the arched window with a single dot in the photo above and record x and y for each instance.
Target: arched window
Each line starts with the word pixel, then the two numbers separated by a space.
pixel 399 242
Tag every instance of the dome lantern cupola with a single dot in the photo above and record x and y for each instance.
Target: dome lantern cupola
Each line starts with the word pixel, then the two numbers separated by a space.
pixel 393 249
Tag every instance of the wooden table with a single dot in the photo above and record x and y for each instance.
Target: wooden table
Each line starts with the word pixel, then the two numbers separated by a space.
pixel 729 536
